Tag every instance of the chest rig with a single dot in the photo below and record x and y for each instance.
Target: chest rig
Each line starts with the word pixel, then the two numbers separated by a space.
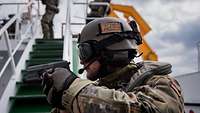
pixel 134 75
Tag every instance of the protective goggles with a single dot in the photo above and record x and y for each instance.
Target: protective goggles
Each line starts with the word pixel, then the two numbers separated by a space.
pixel 92 48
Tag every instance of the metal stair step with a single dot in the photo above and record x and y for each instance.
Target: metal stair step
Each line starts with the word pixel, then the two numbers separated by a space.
pixel 49 41
pixel 29 97
pixel 47 51
pixel 41 61
pixel 46 54
pixel 28 89
pixel 49 44
pixel 47 47
pixel 45 59
pixel 29 104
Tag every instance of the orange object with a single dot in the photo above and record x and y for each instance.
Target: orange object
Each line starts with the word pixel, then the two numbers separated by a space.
pixel 129 12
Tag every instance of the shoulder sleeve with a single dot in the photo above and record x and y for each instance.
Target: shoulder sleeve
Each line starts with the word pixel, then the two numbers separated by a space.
pixel 161 94
pixel 95 99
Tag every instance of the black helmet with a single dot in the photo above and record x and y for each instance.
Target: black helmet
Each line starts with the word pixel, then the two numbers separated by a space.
pixel 113 36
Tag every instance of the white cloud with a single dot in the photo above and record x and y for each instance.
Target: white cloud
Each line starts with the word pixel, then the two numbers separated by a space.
pixel 172 36
pixel 180 57
pixel 166 17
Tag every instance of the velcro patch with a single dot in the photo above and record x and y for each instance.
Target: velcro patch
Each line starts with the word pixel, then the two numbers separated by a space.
pixel 110 27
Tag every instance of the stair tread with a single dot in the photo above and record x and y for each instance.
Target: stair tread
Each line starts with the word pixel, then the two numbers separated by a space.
pixel 47 48
pixel 44 56
pixel 29 97
pixel 48 40
pixel 44 59
pixel 29 104
pixel 49 44
pixel 20 83
pixel 28 89
pixel 40 61
pixel 45 52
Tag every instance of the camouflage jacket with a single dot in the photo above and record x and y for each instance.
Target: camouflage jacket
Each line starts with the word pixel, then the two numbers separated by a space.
pixel 51 5
pixel 150 90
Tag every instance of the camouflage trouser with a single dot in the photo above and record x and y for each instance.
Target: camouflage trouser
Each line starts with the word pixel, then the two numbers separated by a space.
pixel 47 24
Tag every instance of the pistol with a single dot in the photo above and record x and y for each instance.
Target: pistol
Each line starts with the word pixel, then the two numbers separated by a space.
pixel 33 74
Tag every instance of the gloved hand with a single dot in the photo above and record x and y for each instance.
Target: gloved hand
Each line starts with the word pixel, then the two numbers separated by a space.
pixel 54 82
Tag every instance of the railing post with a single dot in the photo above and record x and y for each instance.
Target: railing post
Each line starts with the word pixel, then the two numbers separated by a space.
pixel 6 36
pixel 86 12
pixel 30 17
pixel 17 31
pixel 62 30
pixel 7 88
pixel 38 10
pixel 30 10
pixel 68 37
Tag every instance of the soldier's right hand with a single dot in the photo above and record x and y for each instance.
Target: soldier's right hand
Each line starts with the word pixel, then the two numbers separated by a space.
pixel 55 81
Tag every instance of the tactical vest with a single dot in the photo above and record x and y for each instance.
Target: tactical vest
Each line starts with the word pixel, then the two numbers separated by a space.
pixel 141 73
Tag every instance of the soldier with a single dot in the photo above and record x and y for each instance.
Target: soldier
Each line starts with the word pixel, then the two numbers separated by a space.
pixel 107 47
pixel 47 18
pixel 98 10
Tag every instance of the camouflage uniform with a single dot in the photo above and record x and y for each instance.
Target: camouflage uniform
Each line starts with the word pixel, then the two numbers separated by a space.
pixel 56 110
pixel 144 87
pixel 98 10
pixel 150 90
pixel 47 19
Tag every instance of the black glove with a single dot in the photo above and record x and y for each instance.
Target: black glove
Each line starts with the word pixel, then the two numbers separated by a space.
pixel 54 82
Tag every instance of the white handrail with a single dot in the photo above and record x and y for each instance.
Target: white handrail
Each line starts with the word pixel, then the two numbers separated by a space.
pixel 8 24
pixel 30 32
pixel 22 39
pixel 17 3
pixel 10 59
pixel 3 31
pixel 5 66
pixel 11 21
pixel 68 37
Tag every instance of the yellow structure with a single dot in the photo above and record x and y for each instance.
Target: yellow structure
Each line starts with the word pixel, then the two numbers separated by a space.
pixel 130 12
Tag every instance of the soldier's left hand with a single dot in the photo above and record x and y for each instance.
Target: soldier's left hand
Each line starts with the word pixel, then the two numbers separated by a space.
pixel 55 81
